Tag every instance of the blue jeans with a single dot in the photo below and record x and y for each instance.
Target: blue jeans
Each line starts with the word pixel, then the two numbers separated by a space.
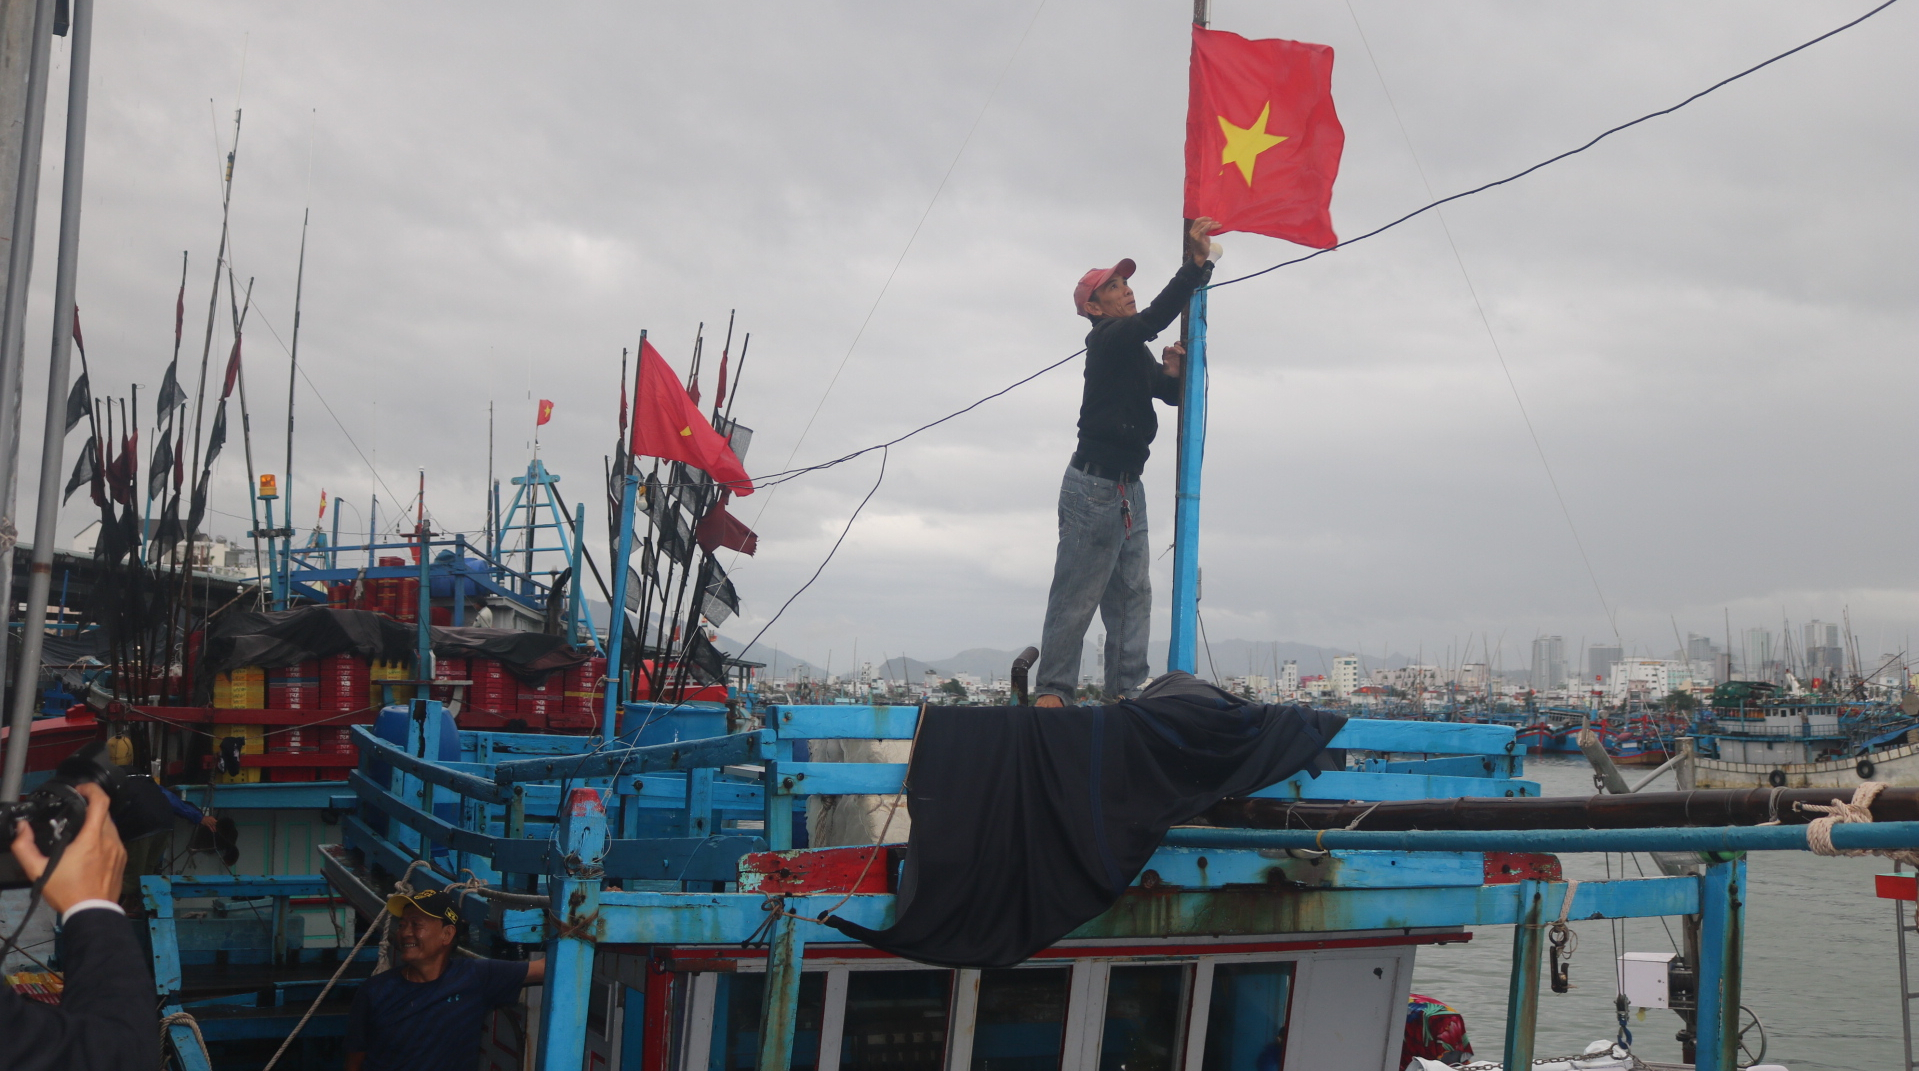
pixel 1102 562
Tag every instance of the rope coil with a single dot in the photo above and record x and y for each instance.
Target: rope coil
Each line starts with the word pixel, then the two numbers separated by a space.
pixel 1839 812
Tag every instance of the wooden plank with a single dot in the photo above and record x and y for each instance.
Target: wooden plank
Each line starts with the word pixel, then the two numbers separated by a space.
pixel 1349 785
pixel 436 773
pixel 847 722
pixel 840 778
pixel 715 751
pixel 1427 737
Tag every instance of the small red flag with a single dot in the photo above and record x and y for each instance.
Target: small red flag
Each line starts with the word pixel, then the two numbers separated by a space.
pixel 719 392
pixel 721 529
pixel 667 423
pixel 1262 139
pixel 233 368
pixel 546 412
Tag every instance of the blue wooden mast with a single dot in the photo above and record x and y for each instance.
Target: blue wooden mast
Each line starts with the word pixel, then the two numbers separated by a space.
pixel 1182 649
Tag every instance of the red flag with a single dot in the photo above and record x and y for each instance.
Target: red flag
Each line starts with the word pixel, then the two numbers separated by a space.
pixel 125 470
pixel 667 423
pixel 721 529
pixel 233 368
pixel 546 412
pixel 719 392
pixel 693 388
pixel 1262 139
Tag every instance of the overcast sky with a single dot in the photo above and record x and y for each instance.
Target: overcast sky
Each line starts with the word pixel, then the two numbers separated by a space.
pixel 1709 319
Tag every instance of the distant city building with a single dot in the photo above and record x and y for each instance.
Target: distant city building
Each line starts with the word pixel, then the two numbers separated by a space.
pixel 1825 658
pixel 1474 676
pixel 1756 654
pixel 1289 676
pixel 1345 676
pixel 1599 660
pixel 1549 663
pixel 1408 679
pixel 1648 679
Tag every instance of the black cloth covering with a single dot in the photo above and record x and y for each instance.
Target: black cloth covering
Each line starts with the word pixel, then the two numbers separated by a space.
pixel 106 1019
pixel 284 637
pixel 1028 822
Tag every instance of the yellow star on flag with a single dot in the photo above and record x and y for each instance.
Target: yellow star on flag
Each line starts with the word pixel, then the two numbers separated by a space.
pixel 1244 144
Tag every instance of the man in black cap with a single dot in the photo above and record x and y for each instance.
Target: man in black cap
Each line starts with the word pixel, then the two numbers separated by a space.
pixel 427 1015
pixel 1103 553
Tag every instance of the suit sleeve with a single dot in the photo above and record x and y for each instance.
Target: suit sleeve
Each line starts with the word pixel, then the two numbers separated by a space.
pixel 106 1018
pixel 1146 325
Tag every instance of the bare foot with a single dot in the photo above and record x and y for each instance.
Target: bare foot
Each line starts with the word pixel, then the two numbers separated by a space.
pixel 1049 700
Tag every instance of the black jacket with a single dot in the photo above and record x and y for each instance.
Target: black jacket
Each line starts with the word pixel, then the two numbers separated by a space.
pixel 106 1019
pixel 1116 418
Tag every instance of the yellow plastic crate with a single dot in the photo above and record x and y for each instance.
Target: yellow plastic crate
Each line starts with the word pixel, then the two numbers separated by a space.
pixel 243 689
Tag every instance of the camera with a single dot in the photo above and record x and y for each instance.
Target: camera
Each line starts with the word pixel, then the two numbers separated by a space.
pixel 56 810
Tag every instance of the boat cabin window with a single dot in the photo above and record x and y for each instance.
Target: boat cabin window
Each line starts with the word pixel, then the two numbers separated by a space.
pixel 1021 1021
pixel 1145 1017
pixel 1246 1018
pixel 895 1020
pixel 736 1022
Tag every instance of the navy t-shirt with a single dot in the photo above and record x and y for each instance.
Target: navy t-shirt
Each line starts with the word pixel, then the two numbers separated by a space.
pixel 430 1026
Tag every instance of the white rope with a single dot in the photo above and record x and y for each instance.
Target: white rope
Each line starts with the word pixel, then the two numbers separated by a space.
pixel 1859 809
pixel 1566 905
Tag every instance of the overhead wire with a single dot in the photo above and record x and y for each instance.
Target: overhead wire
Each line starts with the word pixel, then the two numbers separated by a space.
pixel 783 475
pixel 1539 447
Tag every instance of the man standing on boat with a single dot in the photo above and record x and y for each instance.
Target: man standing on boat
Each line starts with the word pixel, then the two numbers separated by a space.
pixel 1103 553
pixel 428 1014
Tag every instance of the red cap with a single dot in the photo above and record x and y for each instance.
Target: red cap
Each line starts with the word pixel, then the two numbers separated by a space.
pixel 1095 279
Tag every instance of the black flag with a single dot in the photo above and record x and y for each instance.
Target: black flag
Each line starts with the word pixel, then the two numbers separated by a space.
pixel 85 468
pixel 162 466
pixel 707 660
pixel 718 600
pixel 217 437
pixel 79 401
pixel 170 392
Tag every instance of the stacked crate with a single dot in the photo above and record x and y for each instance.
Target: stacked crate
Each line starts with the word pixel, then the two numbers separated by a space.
pixel 242 689
pixel 294 687
pixel 538 702
pixel 583 698
pixel 343 682
pixel 494 691
pixel 449 669
pixel 383 670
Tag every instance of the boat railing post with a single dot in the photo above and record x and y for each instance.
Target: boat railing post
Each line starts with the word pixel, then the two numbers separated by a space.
pixel 1522 993
pixel 779 803
pixel 781 1008
pixel 572 926
pixel 1722 935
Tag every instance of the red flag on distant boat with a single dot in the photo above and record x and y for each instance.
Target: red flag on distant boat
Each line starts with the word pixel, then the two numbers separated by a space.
pixel 322 503
pixel 721 529
pixel 1262 139
pixel 546 412
pixel 667 423
pixel 233 368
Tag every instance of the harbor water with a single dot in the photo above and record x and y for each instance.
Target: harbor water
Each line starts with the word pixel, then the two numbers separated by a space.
pixel 1821 968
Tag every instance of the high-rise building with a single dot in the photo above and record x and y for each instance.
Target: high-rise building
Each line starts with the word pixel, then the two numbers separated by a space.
pixel 1549 663
pixel 1345 675
pixel 1599 660
pixel 1824 657
pixel 1700 648
pixel 1289 676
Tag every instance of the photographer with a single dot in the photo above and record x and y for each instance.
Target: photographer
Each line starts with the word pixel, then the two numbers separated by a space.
pixel 106 1017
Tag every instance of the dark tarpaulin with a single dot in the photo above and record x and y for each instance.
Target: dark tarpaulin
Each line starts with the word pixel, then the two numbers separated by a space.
pixel 530 656
pixel 284 637
pixel 275 638
pixel 1028 822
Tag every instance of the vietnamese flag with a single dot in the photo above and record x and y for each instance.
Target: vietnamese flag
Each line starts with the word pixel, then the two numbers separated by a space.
pixel 546 413
pixel 667 423
pixel 1262 139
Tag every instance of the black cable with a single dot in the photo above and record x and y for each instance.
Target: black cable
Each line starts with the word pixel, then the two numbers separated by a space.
pixel 849 527
pixel 1570 152
pixel 775 478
